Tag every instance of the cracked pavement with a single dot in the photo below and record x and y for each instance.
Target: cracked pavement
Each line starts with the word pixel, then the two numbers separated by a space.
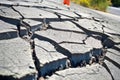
pixel 48 41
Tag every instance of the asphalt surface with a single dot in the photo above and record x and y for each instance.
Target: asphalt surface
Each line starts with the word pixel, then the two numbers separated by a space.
pixel 114 10
pixel 50 41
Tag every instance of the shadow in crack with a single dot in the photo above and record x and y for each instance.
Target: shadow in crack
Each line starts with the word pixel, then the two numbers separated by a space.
pixel 16 22
pixel 50 27
pixel 7 78
pixel 70 42
pixel 13 21
pixel 75 61
pixel 35 58
pixel 48 20
pixel 26 77
pixel 10 20
pixel 116 48
pixel 111 44
pixel 113 62
pixel 55 44
pixel 59 14
pixel 114 53
pixel 114 34
pixel 106 42
pixel 45 7
pixel 52 67
pixel 79 59
pixel 96 35
pixel 11 35
pixel 36 62
pixel 8 35
pixel 105 66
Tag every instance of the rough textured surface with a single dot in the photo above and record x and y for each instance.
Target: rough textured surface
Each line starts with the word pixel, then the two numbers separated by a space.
pixel 47 40
pixel 90 72
pixel 16 58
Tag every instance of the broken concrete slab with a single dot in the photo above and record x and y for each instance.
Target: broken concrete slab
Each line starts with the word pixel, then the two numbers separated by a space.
pixel 16 60
pixel 10 28
pixel 8 12
pixel 6 26
pixel 8 31
pixel 84 73
pixel 49 59
pixel 114 55
pixel 91 25
pixel 46 52
pixel 113 70
pixel 34 12
pixel 70 37
pixel 65 26
pixel 73 37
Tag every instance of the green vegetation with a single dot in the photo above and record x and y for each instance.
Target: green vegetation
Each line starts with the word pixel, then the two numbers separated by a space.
pixel 94 4
pixel 116 3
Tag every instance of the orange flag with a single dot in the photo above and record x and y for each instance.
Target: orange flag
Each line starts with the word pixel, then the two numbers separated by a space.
pixel 66 2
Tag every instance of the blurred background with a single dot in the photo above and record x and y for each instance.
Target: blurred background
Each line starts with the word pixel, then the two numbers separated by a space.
pixel 110 6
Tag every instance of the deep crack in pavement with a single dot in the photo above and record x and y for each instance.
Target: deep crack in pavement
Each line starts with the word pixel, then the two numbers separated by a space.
pixel 58 53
